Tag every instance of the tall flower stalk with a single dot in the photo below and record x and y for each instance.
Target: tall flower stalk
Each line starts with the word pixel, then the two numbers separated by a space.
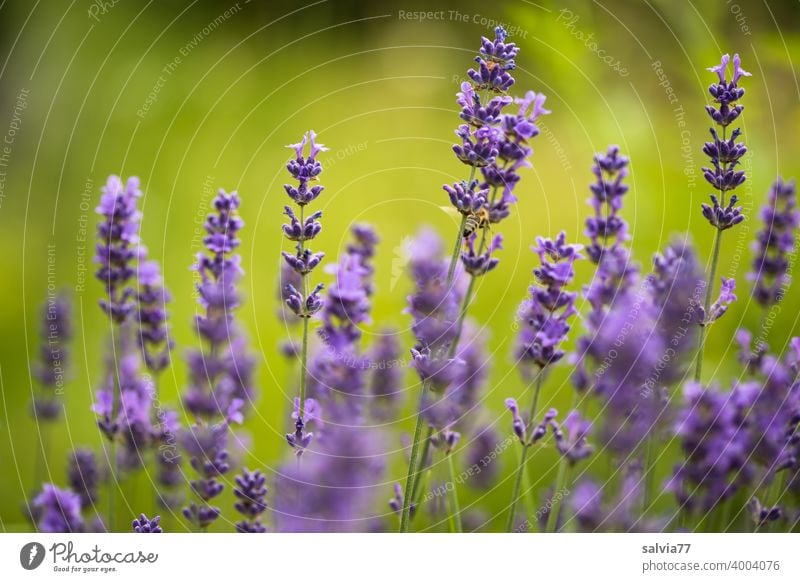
pixel 50 370
pixel 725 155
pixel 544 327
pixel 220 370
pixel 300 230
pixel 495 144
pixel 116 255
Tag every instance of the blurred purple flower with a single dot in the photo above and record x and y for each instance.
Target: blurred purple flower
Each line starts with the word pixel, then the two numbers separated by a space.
pixel 250 491
pixel 58 510
pixel 775 244
pixel 117 244
pixel 51 366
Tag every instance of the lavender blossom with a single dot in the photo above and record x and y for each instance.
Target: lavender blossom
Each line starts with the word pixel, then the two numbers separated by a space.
pixel 364 244
pixel 572 445
pixel 775 243
pixel 304 168
pixel 338 370
pixel 720 306
pixel 336 487
pixel 207 448
pixel 117 242
pixel 642 346
pixel 606 229
pixel 616 275
pixel 716 450
pixel 434 308
pixel 84 476
pixel 153 333
pixel 546 314
pixel 725 154
pixel 143 524
pixel 502 175
pixel 53 357
pixel 494 63
pixel 58 510
pixel 124 402
pixel 222 372
pixel 250 491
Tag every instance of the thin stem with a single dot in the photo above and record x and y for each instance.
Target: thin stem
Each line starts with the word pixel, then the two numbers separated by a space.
pixel 648 474
pixel 456 513
pixel 524 456
pixel 412 465
pixel 112 488
pixel 517 485
pixel 303 374
pixel 304 352
pixel 451 272
pixel 707 303
pixel 426 447
pixel 462 316
pixel 411 476
pixel 555 505
pixel 711 277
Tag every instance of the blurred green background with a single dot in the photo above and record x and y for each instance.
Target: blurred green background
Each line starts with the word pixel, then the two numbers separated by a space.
pixel 193 96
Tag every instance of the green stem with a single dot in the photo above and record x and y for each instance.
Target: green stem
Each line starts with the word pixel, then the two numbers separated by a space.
pixel 648 474
pixel 411 476
pixel 304 351
pixel 707 304
pixel 451 272
pixel 416 494
pixel 555 506
pixel 711 279
pixel 524 456
pixel 412 465
pixel 112 488
pixel 456 513
pixel 303 373
pixel 517 486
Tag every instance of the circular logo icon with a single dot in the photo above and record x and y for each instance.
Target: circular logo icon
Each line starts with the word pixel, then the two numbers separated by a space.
pixel 31 555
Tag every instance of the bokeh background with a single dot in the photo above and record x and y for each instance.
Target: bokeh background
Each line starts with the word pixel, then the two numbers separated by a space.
pixel 194 96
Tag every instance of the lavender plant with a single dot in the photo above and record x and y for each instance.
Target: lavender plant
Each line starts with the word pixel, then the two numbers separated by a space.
pixel 220 383
pixel 301 230
pixel 497 144
pixel 544 326
pixel 116 254
pixel 250 492
pixel 725 155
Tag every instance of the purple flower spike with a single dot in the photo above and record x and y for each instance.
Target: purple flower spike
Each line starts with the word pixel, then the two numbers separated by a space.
pixel 143 524
pixel 775 243
pixel 725 153
pixel 606 228
pixel 546 313
pixel 153 334
pixel 57 510
pixel 117 242
pixel 476 264
pixel 305 169
pixel 465 198
pixel 51 365
pixel 720 306
pixel 250 491
pixel 494 63
pixel 517 425
pixel 762 515
pixel 573 445
pixel 84 476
